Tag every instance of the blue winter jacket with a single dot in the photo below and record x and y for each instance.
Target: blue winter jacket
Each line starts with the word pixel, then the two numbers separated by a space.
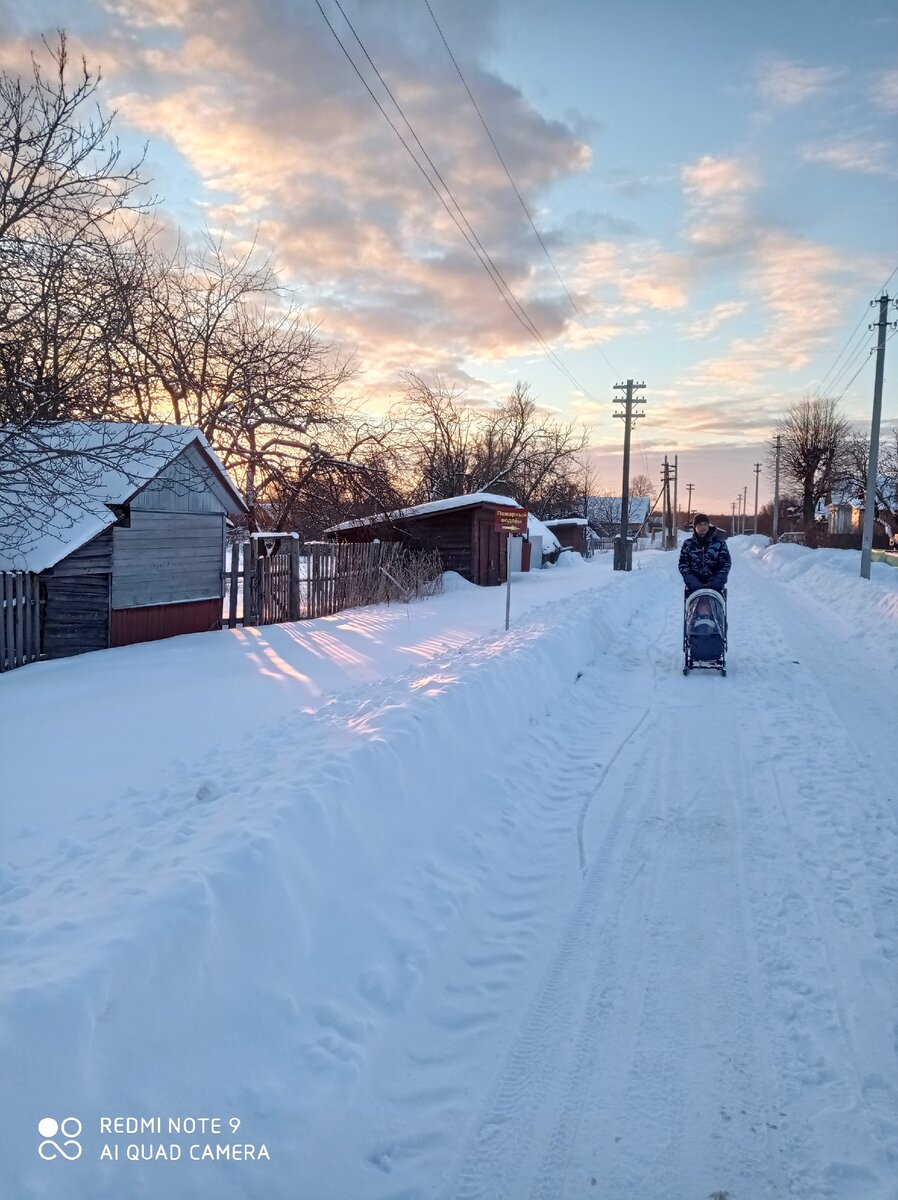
pixel 705 562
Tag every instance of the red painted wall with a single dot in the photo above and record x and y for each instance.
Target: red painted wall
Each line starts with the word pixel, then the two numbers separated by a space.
pixel 155 621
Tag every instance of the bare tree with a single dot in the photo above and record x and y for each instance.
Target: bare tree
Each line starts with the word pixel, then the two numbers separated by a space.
pixel 230 353
pixel 814 436
pixel 436 433
pixel 451 448
pixel 854 475
pixel 641 485
pixel 59 165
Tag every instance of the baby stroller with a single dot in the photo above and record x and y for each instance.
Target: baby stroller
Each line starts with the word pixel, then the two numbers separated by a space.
pixel 705 631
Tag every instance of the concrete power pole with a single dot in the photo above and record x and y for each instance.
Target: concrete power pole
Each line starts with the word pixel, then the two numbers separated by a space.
pixel 665 502
pixel 676 507
pixel 776 488
pixel 744 506
pixel 757 477
pixel 689 489
pixel 873 463
pixel 732 518
pixel 623 560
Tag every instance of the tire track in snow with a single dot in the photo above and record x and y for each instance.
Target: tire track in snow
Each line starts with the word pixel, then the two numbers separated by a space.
pixel 498 1159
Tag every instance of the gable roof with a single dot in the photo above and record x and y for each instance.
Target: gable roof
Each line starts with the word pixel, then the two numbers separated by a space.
pixel 432 506
pixel 68 473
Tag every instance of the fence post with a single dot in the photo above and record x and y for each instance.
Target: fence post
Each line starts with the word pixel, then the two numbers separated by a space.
pixel 249 583
pixel 4 646
pixel 232 586
pixel 293 602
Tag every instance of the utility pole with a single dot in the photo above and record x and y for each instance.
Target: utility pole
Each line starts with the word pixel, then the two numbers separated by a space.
pixel 623 560
pixel 739 513
pixel 744 505
pixel 757 477
pixel 873 463
pixel 732 518
pixel 689 489
pixel 665 501
pixel 776 489
pixel 676 507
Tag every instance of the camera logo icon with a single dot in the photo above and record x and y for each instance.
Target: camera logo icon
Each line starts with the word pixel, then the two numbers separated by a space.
pixel 68 1130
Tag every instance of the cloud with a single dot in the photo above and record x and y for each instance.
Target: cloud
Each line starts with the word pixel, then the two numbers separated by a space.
pixel 709 322
pixel 716 190
pixel 711 179
pixel 288 145
pixel 786 84
pixel 854 154
pixel 790 278
pixel 885 91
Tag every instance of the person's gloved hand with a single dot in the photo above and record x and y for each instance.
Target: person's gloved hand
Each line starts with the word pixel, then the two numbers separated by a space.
pixel 693 582
pixel 718 582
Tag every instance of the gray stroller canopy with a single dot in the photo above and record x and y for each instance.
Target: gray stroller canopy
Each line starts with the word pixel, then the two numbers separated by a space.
pixel 705 612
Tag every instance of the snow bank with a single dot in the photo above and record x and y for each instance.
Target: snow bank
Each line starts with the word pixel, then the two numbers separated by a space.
pixel 859 610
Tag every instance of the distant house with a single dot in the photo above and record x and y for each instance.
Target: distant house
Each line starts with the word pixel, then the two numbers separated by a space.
pixel 845 513
pixel 604 514
pixel 571 532
pixel 461 529
pixel 129 546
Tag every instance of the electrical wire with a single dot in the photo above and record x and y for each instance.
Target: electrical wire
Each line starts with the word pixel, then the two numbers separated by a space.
pixel 515 188
pixel 853 357
pixel 471 238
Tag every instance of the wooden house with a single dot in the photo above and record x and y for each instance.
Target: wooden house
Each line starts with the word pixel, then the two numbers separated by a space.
pixel 571 532
pixel 461 529
pixel 132 549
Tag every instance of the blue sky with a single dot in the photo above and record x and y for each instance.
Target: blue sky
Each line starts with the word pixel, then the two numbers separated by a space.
pixel 716 184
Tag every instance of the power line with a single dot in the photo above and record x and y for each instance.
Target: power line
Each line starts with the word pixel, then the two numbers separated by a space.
pixel 852 379
pixel 517 192
pixel 471 238
pixel 861 349
pixel 853 357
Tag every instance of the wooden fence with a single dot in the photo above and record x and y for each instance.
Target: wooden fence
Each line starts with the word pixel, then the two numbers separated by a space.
pixel 300 582
pixel 20 619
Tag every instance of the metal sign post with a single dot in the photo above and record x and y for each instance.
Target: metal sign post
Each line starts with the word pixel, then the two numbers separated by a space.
pixel 507 579
pixel 511 522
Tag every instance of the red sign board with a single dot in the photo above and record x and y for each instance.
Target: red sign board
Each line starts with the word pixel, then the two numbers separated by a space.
pixel 511 520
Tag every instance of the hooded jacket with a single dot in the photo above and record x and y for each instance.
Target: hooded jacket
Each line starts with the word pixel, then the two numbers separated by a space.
pixel 705 561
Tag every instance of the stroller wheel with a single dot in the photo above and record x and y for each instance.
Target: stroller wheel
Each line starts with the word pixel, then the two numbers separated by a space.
pixel 685 670
pixel 723 670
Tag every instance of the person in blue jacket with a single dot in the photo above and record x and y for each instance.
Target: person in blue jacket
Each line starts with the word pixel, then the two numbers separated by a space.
pixel 704 558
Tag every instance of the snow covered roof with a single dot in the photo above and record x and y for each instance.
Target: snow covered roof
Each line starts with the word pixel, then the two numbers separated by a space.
pixel 68 473
pixel 537 528
pixel 566 521
pixel 432 506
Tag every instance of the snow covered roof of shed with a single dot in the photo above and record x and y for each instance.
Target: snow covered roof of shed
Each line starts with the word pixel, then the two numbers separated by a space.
pixel 566 521
pixel 537 528
pixel 62 478
pixel 432 506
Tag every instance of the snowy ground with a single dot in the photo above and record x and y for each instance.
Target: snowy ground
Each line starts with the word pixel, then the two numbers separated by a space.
pixel 436 911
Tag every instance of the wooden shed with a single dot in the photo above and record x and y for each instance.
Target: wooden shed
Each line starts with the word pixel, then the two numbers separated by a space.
pixel 133 550
pixel 571 532
pixel 461 529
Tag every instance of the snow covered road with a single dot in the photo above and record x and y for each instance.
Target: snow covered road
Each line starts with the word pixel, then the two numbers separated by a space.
pixel 539 918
